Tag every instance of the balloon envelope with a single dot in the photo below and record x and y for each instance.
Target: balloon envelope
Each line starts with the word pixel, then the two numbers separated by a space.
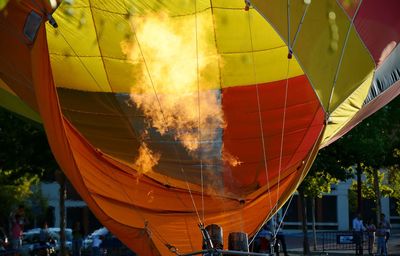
pixel 167 114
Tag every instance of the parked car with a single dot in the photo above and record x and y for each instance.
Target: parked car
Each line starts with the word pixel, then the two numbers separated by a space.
pixel 110 245
pixel 87 242
pixel 4 243
pixel 31 242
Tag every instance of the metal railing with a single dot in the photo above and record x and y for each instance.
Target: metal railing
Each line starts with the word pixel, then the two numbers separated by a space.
pixel 346 240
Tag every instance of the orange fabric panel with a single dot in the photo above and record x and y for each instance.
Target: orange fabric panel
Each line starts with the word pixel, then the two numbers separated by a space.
pixel 16 67
pixel 57 132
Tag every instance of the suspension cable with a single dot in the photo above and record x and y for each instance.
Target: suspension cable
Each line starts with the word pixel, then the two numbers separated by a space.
pixel 163 116
pixel 259 108
pixel 342 55
pixel 199 112
pixel 290 48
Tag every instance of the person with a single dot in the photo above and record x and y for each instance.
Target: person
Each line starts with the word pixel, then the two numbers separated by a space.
pixel 386 225
pixel 44 235
pixel 358 228
pixel 77 239
pixel 16 233
pixel 263 239
pixel 381 239
pixel 17 222
pixel 44 238
pixel 97 240
pixel 277 225
pixel 371 235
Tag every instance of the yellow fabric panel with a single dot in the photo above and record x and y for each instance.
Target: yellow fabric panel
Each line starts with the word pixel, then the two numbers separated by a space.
pixel 175 7
pixel 82 73
pixel 94 30
pixel 235 44
pixel 269 66
pixel 345 111
pixel 228 3
pixel 121 74
pixel 75 55
pixel 77 28
pixel 112 29
pixel 357 65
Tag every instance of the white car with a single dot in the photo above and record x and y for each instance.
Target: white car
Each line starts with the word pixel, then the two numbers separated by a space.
pixel 87 242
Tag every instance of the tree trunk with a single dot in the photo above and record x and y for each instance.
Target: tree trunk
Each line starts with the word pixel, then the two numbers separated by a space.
pixel 63 194
pixel 303 205
pixel 359 193
pixel 313 223
pixel 377 195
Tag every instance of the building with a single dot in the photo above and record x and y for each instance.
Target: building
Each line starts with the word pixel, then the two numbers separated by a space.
pixel 334 210
pixel 76 209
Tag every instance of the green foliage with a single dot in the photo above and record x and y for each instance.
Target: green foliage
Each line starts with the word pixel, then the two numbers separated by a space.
pixel 14 191
pixel 371 141
pixel 326 171
pixel 24 147
pixel 25 159
pixel 367 188
pixel 394 178
pixel 3 4
pixel 318 183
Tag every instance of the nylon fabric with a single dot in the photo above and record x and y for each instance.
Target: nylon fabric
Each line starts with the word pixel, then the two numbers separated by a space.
pixel 386 75
pixel 14 104
pixel 316 40
pixel 82 82
pixel 347 110
pixel 102 66
pixel 378 25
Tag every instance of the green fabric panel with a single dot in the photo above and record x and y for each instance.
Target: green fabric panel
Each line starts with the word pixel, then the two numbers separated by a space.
pixel 357 64
pixel 313 44
pixel 16 105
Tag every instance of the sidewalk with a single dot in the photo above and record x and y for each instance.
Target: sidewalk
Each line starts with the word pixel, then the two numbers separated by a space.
pixel 294 242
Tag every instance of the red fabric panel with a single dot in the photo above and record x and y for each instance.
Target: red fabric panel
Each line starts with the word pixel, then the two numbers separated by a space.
pixel 378 24
pixel 242 137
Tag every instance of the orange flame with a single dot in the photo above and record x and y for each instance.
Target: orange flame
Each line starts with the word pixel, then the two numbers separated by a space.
pixel 171 69
pixel 146 159
pixel 177 79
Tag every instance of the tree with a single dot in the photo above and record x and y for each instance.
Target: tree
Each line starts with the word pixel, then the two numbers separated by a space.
pixel 366 148
pixel 394 178
pixel 314 186
pixel 326 171
pixel 61 179
pixel 25 159
pixel 374 186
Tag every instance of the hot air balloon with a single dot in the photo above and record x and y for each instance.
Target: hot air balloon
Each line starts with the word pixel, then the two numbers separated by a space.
pixel 169 114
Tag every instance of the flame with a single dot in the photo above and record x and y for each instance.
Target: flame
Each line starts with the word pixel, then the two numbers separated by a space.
pixel 230 159
pixel 146 159
pixel 177 82
pixel 171 68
